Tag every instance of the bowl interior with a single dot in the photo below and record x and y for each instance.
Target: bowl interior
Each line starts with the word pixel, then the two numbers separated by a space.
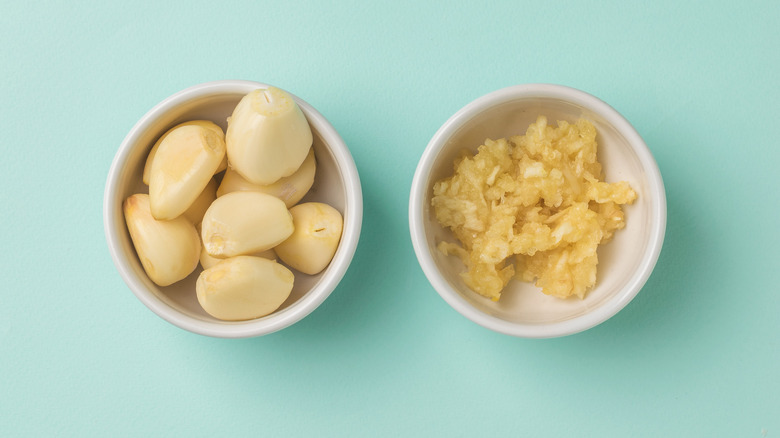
pixel 178 303
pixel 619 260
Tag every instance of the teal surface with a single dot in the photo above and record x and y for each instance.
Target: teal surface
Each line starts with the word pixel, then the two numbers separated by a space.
pixel 695 354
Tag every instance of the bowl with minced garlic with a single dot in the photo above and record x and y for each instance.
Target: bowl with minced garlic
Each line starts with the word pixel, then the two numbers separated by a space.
pixel 537 211
pixel 232 209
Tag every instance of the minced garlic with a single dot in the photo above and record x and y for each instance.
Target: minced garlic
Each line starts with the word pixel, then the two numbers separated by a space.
pixel 538 197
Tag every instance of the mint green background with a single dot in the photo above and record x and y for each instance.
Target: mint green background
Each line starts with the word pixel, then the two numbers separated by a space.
pixel 695 354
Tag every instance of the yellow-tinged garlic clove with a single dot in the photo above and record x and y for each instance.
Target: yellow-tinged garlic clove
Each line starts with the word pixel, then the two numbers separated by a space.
pixel 204 123
pixel 198 208
pixel 243 287
pixel 207 261
pixel 241 223
pixel 185 162
pixel 222 166
pixel 289 189
pixel 267 137
pixel 168 250
pixel 313 244
pixel 267 254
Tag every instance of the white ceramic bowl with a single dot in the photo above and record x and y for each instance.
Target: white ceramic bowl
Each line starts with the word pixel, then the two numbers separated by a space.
pixel 336 183
pixel 625 263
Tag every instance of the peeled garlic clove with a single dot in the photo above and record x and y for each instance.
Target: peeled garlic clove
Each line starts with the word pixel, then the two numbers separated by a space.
pixel 168 250
pixel 208 261
pixel 267 254
pixel 222 166
pixel 241 223
pixel 198 208
pixel 267 137
pixel 204 123
pixel 185 162
pixel 243 287
pixel 313 244
pixel 289 189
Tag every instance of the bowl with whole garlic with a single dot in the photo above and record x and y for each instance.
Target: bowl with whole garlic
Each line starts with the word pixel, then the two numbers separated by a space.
pixel 232 209
pixel 537 211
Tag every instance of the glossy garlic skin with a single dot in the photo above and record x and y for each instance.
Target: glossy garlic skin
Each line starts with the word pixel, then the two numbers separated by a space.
pixel 268 137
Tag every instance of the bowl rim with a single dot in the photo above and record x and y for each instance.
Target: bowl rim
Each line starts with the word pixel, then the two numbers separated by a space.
pixel 353 216
pixel 561 328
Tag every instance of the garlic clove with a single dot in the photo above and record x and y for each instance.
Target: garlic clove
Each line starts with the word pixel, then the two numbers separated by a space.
pixel 241 223
pixel 289 189
pixel 207 261
pixel 183 166
pixel 168 250
pixel 268 137
pixel 315 240
pixel 204 123
pixel 243 287
pixel 267 254
pixel 198 208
